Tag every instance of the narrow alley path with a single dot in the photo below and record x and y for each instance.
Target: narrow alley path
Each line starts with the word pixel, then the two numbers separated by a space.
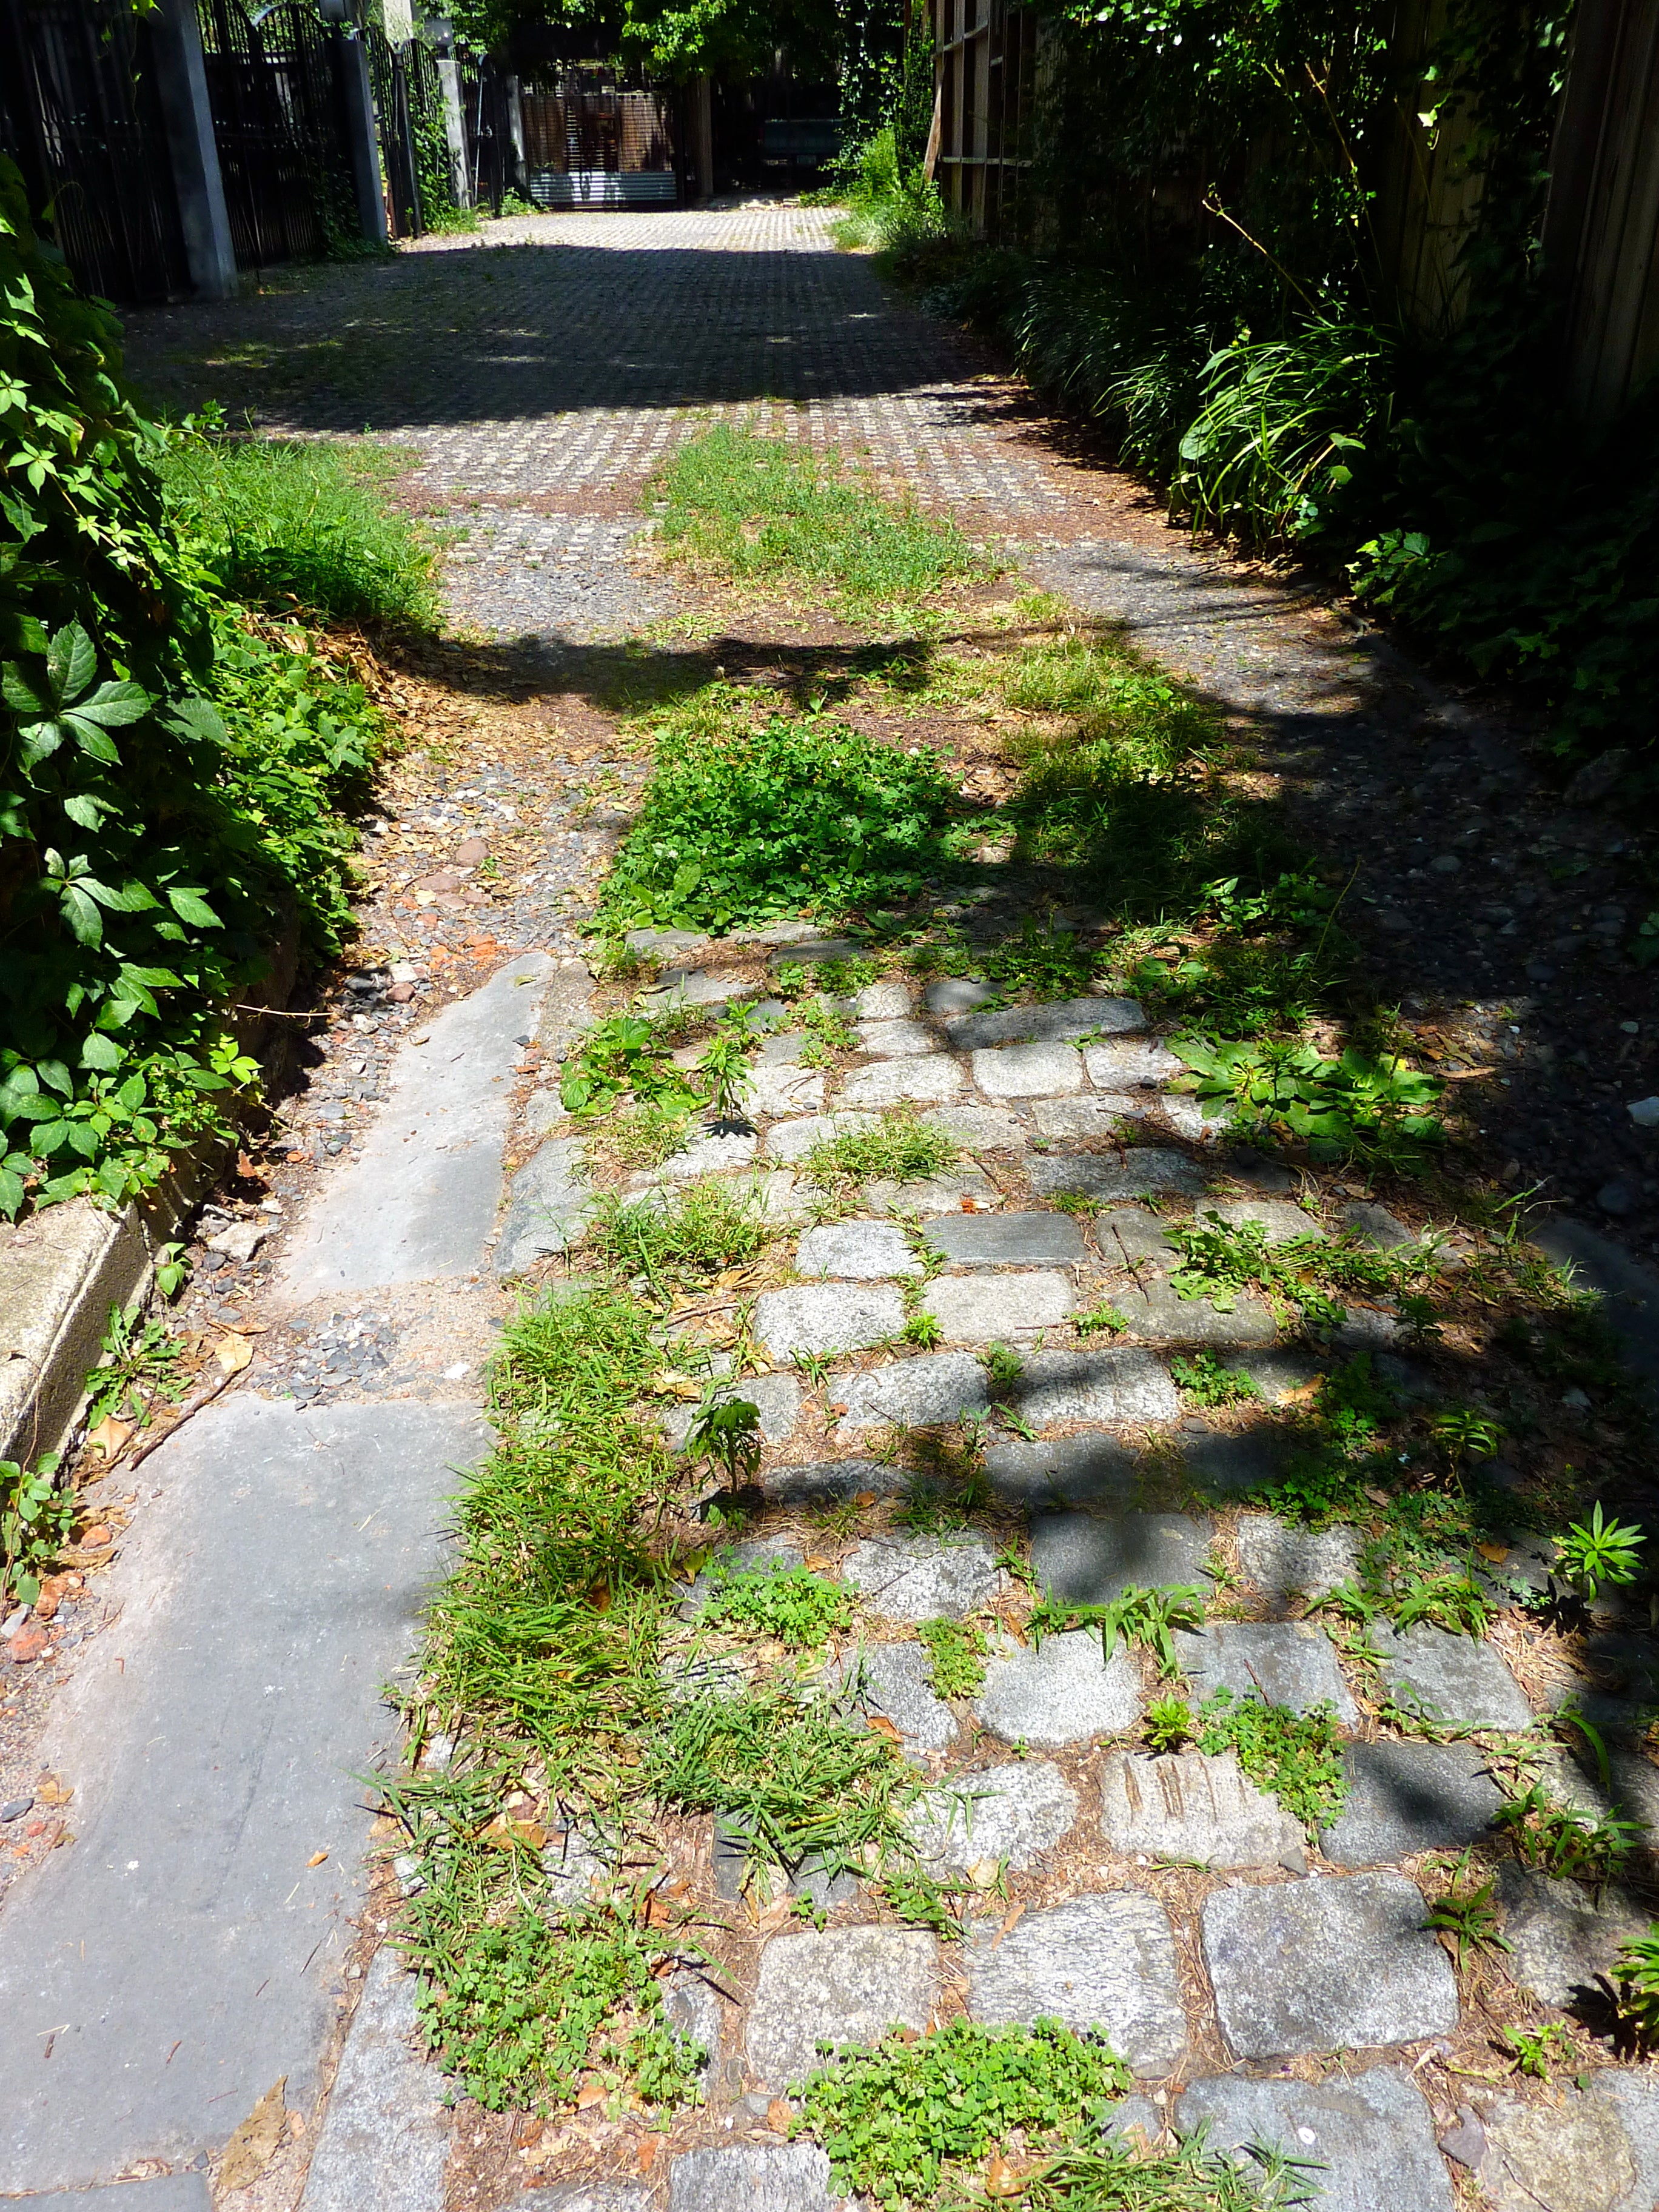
pixel 210 1932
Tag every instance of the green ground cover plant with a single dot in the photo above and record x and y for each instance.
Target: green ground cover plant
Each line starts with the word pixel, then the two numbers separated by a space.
pixel 1136 1616
pixel 900 1148
pixel 706 1227
pixel 763 508
pixel 1559 1839
pixel 955 1656
pixel 1296 1756
pixel 799 1608
pixel 1120 2176
pixel 1204 1379
pixel 1303 1276
pixel 1379 1111
pixel 901 2118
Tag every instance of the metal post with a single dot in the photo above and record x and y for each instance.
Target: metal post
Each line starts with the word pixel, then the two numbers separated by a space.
pixel 515 133
pixel 449 80
pixel 182 87
pixel 357 108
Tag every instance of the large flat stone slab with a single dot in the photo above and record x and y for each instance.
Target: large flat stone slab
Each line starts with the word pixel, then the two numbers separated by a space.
pixel 1142 1171
pixel 1106 1960
pixel 1155 1310
pixel 794 1140
pixel 1132 1063
pixel 386 2091
pixel 1283 1562
pixel 1226 1463
pixel 918 1394
pixel 1457 1680
pixel 1120 1385
pixel 1409 1797
pixel 1086 1470
pixel 897 1040
pixel 547 1206
pixel 1325 1965
pixel 1556 2158
pixel 750 2177
pixel 1090 1559
pixel 827 1319
pixel 923 1577
pixel 861 1251
pixel 1029 1071
pixel 931 1079
pixel 979 1128
pixel 1063 1692
pixel 1288 1662
pixel 1018 1811
pixel 184 1948
pixel 1061 1020
pixel 418 1203
pixel 1008 1240
pixel 984 1309
pixel 1370 2136
pixel 894 1682
pixel 778 1089
pixel 1563 1937
pixel 1191 1806
pixel 848 1985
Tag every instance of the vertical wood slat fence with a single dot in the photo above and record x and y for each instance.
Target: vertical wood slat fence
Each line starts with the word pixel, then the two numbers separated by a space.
pixel 985 63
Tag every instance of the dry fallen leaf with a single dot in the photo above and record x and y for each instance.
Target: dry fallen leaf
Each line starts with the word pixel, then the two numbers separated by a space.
pixel 779 2114
pixel 233 1354
pixel 590 2093
pixel 503 1833
pixel 669 1383
pixel 781 1910
pixel 646 2154
pixel 109 1437
pixel 1496 1553
pixel 984 1874
pixel 879 1724
pixel 51 1790
pixel 253 2145
pixel 865 1497
pixel 1000 2178
pixel 316 1858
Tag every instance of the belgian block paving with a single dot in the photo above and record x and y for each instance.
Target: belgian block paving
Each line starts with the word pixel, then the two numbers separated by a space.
pixel 1369 2137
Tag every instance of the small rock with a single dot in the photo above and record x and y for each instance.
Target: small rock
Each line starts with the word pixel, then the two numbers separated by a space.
pixel 1644 1112
pixel 923 1577
pixel 1105 1961
pixel 1376 1226
pixel 15 1809
pixel 1563 2158
pixel 889 1001
pixel 1467 2141
pixel 1131 1064
pixel 1029 1071
pixel 472 853
pixel 1617 1198
pixel 1018 1811
pixel 826 1319
pixel 1061 1692
pixel 241 1240
pixel 1592 783
pixel 847 1986
pixel 1446 863
pixel 865 1251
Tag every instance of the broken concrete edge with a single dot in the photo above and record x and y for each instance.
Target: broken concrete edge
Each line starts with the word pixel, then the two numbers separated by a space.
pixel 564 1020
pixel 61 1270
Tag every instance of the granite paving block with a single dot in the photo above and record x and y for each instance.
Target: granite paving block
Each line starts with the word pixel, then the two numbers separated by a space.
pixel 1408 1797
pixel 1132 1063
pixel 1156 1310
pixel 1279 1375
pixel 1283 1562
pixel 793 1140
pixel 1288 1662
pixel 1141 1171
pixel 1018 1811
pixel 1193 1806
pixel 705 1153
pixel 1278 1217
pixel 547 1205
pixel 827 1319
pixel 1227 1462
pixel 895 1040
pixel 1200 1121
pixel 955 994
pixel 1089 1559
pixel 752 2177
pixel 1097 1115
pixel 979 1128
pixel 939 1387
pixel 923 1577
pixel 889 1000
pixel 1563 1936
pixel 848 1985
pixel 929 1080
pixel 1134 1237
pixel 1117 1385
pixel 1558 2157
pixel 776 1398
pixel 1029 1071
pixel 809 950
pixel 983 1309
pixel 894 1682
pixel 1369 2137
pixel 832 1482
pixel 1008 1240
pixel 1106 1960
pixel 941 1194
pixel 1061 1692
pixel 1086 1470
pixel 1061 1020
pixel 865 1251
pixel 783 1090
pixel 1325 1964
pixel 1458 1679
pixel 1375 1225
pixel 583 2196
pixel 1630 2098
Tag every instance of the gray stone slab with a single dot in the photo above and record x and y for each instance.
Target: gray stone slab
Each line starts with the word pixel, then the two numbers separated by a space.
pixel 1156 1311
pixel 1200 1121
pixel 928 1080
pixel 1227 1462
pixel 987 1308
pixel 897 1040
pixel 827 1319
pixel 782 1049
pixel 1131 1063
pixel 750 2177
pixel 1142 1170
pixel 1138 1239
pixel 1060 1020
pixel 1408 1797
pixel 1029 1071
pixel 955 994
pixel 1558 2157
pixel 1370 2135
pixel 793 1140
pixel 1096 1116
pixel 848 1985
pixel 1106 1960
pixel 547 1206
pixel 1279 1375
pixel 166 2193
pixel 1457 1680
pixel 697 987
pixel 923 1577
pixel 776 1398
pixel 1018 1811
pixel 1630 2100
pixel 1087 1559
pixel 1118 1385
pixel 831 1482
pixel 1008 1240
pixel 777 1090
pixel 1562 1936
pixel 588 2196
pixel 1375 1225
pixel 1061 1693
pixel 1325 1965
pixel 1288 1662
pixel 889 1000
pixel 806 951
pixel 932 1195
pixel 1277 1218
pixel 418 1202
pixel 184 1948
pixel 706 1152
pixel 1193 1807
pixel 894 1682
pixel 384 2142
pixel 865 1251
pixel 939 1387
pixel 1086 1470
pixel 979 1128
pixel 1283 1562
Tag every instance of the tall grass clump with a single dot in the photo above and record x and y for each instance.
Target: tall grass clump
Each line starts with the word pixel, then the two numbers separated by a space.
pixel 762 509
pixel 288 523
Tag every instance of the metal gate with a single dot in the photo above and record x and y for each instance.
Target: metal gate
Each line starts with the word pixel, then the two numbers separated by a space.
pixel 487 126
pixel 277 125
pixel 592 142
pixel 81 117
